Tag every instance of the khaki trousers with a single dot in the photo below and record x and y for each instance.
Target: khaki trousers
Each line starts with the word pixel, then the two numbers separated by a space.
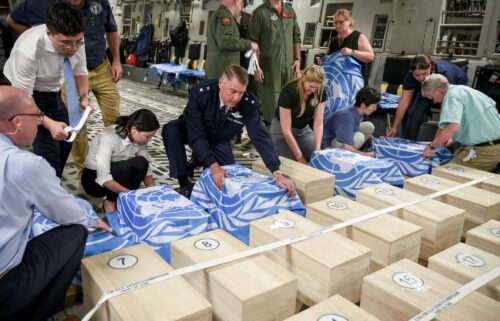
pixel 105 90
pixel 487 157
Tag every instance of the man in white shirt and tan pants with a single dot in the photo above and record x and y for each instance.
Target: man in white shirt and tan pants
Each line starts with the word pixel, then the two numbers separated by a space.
pixel 36 65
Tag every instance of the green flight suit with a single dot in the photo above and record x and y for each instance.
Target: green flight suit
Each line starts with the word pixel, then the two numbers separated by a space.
pixel 223 43
pixel 276 35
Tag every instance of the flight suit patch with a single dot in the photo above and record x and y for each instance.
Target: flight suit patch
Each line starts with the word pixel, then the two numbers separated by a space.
pixel 287 14
pixel 225 21
pixel 274 17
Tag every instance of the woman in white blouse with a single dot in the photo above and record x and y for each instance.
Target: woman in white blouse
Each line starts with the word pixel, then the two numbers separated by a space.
pixel 118 158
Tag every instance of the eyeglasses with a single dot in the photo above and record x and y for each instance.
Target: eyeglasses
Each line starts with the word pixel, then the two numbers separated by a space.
pixel 340 22
pixel 67 44
pixel 40 116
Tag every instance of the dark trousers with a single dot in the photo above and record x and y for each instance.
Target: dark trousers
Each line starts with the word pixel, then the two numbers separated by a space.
pixel 129 173
pixel 56 152
pixel 174 135
pixel 418 113
pixel 36 288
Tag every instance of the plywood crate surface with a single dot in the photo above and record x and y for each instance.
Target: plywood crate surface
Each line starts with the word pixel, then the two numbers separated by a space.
pixel 441 223
pixel 486 237
pixel 463 263
pixel 480 205
pixel 404 289
pixel 312 184
pixel 335 308
pixel 170 300
pixel 251 289
pixel 325 265
pixel 389 237
pixel 463 174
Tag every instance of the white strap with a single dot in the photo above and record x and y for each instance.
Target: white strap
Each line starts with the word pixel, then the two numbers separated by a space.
pixel 471 155
pixel 253 65
pixel 457 296
pixel 75 130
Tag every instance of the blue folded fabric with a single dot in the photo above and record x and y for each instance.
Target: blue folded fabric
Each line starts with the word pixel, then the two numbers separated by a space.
pixel 408 155
pixel 388 101
pixel 343 81
pixel 157 216
pixel 98 242
pixel 177 73
pixel 247 196
pixel 354 171
pixel 169 67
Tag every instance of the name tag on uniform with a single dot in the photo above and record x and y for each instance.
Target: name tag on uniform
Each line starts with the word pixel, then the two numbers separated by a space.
pixel 287 15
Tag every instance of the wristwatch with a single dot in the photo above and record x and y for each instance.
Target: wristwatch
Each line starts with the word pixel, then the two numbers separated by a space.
pixel 431 147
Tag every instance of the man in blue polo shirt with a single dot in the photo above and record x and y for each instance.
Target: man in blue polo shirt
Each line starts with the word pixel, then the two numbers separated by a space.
pixel 347 130
pixel 100 26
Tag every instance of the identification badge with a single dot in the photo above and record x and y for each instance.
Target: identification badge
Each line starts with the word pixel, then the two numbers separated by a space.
pixel 274 17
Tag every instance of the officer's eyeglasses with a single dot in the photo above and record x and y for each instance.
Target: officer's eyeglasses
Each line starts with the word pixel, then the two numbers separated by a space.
pixel 340 22
pixel 67 44
pixel 40 116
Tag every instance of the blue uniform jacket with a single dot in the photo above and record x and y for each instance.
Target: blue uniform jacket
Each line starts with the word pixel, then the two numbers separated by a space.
pixel 207 125
pixel 98 20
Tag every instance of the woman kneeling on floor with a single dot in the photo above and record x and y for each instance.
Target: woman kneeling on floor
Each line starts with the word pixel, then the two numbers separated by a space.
pixel 300 104
pixel 118 158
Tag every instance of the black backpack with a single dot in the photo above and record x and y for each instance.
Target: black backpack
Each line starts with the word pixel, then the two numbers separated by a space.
pixel 179 35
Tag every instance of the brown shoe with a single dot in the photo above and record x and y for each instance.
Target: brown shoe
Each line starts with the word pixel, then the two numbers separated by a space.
pixel 72 317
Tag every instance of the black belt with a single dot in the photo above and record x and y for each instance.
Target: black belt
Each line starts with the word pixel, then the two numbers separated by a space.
pixel 89 68
pixel 489 143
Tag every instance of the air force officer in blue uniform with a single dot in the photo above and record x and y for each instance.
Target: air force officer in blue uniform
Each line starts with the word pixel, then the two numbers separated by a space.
pixel 216 111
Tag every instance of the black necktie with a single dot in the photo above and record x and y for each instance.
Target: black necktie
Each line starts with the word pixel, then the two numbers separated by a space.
pixel 223 113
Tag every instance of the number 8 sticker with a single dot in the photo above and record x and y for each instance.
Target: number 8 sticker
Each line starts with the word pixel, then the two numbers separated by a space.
pixel 206 244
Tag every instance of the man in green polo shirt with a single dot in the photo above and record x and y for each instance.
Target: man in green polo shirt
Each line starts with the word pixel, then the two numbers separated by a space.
pixel 274 27
pixel 467 116
pixel 223 39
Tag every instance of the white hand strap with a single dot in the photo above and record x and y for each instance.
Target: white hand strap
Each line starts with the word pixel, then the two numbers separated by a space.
pixel 254 62
pixel 75 130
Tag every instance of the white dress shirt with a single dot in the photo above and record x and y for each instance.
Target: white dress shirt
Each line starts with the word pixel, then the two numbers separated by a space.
pixel 34 63
pixel 106 148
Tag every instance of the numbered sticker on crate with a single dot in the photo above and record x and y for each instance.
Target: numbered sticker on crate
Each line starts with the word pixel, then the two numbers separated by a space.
pixel 124 261
pixel 206 244
pixel 455 169
pixel 408 280
pixel 332 317
pixel 338 206
pixel 495 231
pixel 384 191
pixel 430 181
pixel 283 223
pixel 470 260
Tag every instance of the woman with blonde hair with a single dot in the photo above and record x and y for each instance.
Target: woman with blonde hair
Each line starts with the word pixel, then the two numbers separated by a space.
pixel 350 42
pixel 300 104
